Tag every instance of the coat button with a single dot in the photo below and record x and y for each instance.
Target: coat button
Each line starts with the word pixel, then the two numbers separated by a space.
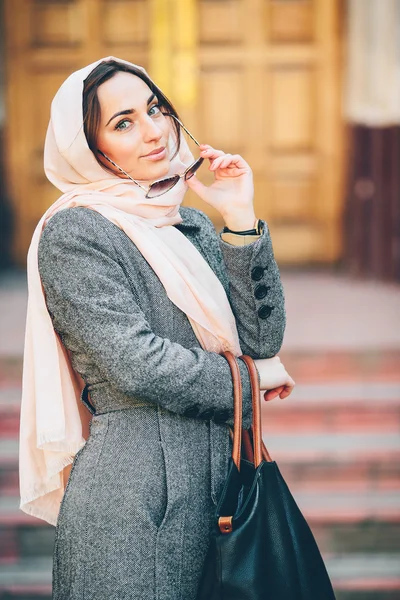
pixel 221 415
pixel 257 273
pixel 264 311
pixel 207 414
pixel 261 291
pixel 191 411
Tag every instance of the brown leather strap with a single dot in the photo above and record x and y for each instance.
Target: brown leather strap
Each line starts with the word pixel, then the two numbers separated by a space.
pixel 260 450
pixel 265 453
pixel 253 446
pixel 237 406
pixel 255 394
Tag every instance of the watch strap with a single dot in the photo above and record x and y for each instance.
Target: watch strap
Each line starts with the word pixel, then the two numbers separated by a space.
pixel 256 231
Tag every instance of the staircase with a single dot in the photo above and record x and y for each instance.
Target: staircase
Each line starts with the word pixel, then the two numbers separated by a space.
pixel 336 440
pixel 26 543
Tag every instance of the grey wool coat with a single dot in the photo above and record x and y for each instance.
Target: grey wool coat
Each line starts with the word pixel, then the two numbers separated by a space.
pixel 138 510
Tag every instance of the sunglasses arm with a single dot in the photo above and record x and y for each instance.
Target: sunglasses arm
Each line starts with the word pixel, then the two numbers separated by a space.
pixel 122 171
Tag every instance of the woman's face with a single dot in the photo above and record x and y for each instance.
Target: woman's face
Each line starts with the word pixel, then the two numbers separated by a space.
pixel 132 125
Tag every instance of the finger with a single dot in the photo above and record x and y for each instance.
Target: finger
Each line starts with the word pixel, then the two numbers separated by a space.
pixel 219 161
pixel 211 153
pixel 271 394
pixel 288 389
pixel 222 162
pixel 279 389
pixel 236 161
pixel 197 186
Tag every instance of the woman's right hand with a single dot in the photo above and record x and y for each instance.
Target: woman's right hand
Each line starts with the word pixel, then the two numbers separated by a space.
pixel 274 378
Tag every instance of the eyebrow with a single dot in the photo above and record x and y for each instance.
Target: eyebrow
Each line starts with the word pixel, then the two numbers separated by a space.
pixel 129 111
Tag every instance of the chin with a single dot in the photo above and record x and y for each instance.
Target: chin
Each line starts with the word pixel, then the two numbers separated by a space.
pixel 154 172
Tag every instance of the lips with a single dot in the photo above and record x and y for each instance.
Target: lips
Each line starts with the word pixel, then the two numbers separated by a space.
pixel 156 151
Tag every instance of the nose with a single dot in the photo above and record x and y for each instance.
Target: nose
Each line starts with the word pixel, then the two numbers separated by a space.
pixel 151 131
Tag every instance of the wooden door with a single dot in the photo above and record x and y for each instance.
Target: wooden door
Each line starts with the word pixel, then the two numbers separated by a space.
pixel 270 91
pixel 255 77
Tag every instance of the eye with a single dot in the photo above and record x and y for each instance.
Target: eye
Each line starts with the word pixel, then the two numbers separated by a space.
pixel 157 106
pixel 122 125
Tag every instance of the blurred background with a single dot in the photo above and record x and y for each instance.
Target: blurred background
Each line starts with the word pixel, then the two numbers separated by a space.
pixel 308 92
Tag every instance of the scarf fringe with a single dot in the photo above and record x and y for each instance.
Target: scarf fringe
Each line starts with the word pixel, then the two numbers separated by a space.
pixel 38 512
pixel 58 437
pixel 35 491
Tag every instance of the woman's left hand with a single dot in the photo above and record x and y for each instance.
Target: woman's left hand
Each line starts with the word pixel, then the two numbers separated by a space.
pixel 232 191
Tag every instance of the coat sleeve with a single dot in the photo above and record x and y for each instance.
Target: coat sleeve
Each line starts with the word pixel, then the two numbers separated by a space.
pixel 90 299
pixel 254 289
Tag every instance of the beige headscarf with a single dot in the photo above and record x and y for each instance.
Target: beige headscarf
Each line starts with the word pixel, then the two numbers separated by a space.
pixel 54 423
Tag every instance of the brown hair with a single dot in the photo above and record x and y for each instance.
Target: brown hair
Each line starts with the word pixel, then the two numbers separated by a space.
pixel 91 106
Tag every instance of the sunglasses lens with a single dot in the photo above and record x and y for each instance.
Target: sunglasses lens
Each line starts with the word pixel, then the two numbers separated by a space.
pixel 190 172
pixel 160 187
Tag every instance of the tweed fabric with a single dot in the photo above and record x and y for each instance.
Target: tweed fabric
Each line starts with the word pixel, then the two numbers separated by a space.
pixel 137 512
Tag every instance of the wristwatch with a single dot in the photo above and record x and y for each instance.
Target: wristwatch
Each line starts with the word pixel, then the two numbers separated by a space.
pixel 256 231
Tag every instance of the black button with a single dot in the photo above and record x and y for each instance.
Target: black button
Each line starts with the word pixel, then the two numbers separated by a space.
pixel 257 273
pixel 207 414
pixel 264 311
pixel 191 411
pixel 221 415
pixel 261 291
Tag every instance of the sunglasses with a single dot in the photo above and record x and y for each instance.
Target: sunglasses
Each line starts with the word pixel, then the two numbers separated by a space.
pixel 161 186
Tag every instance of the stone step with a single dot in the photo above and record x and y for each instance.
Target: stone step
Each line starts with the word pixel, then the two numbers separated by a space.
pixel 26 579
pixel 354 460
pixel 348 507
pixel 344 365
pixel 333 446
pixel 334 406
pixel 356 473
pixel 291 417
pixel 341 521
pixel 341 392
pixel 365 576
pixel 370 535
pixel 354 577
pixel 300 447
pixel 357 406
pixel 305 365
pixel 10 404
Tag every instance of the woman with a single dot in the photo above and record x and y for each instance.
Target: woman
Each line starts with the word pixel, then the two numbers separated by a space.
pixel 144 295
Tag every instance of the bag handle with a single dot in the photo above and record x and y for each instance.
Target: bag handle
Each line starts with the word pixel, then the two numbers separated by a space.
pixel 237 406
pixel 255 432
pixel 252 439
pixel 255 395
pixel 253 443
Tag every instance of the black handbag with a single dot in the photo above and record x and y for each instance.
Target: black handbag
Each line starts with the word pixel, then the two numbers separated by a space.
pixel 262 547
